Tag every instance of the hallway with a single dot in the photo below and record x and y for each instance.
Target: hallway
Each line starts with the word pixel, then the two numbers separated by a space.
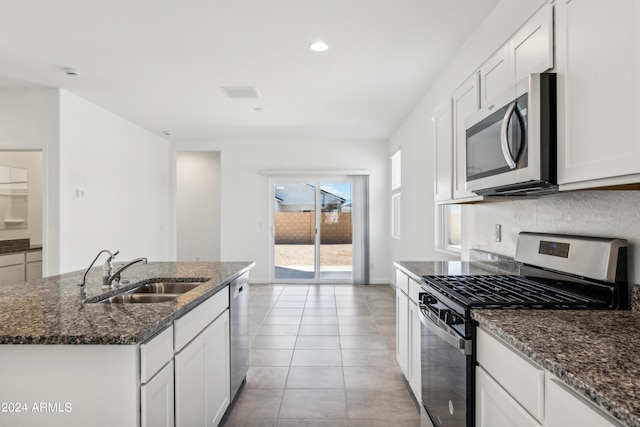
pixel 323 355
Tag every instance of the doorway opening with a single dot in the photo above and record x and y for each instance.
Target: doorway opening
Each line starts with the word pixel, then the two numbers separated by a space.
pixel 313 231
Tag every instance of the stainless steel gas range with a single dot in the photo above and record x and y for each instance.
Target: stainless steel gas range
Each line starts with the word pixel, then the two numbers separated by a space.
pixel 556 272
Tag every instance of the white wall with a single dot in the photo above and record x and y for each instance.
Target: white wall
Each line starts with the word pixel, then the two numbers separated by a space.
pixel 245 204
pixel 29 120
pixel 123 171
pixel 416 134
pixel 198 205
pixel 32 162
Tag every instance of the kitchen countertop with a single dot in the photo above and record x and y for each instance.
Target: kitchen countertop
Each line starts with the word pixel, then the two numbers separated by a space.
pixel 594 352
pixel 51 310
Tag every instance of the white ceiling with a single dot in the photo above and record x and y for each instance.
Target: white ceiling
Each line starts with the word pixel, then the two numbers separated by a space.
pixel 161 63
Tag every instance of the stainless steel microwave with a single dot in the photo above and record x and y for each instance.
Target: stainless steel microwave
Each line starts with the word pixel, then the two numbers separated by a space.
pixel 511 144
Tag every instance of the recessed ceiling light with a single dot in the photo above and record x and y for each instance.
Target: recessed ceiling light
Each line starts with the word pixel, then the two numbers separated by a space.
pixel 318 46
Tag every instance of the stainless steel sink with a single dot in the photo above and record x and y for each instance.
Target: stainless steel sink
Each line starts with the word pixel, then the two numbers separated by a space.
pixel 165 288
pixel 153 292
pixel 140 298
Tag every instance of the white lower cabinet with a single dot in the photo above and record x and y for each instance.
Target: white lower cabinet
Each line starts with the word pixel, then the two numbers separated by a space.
pixel 157 399
pixel 202 376
pixel 12 269
pixel 565 408
pixel 408 332
pixel 513 391
pixel 402 331
pixel 496 407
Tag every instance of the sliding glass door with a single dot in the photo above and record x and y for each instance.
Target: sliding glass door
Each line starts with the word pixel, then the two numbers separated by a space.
pixel 312 231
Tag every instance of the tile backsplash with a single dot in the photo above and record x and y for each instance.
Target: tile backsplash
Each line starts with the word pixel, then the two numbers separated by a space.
pixel 589 213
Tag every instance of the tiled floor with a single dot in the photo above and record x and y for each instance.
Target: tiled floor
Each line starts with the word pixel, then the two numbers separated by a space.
pixel 323 355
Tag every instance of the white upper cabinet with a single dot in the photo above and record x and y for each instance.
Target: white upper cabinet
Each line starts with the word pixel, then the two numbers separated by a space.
pixel 443 168
pixel 495 75
pixel 466 101
pixel 598 65
pixel 530 50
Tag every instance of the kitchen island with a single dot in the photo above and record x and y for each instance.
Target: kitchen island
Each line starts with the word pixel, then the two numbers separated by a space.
pixel 71 361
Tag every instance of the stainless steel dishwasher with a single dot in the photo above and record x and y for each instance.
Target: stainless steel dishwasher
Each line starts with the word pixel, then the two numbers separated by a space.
pixel 239 325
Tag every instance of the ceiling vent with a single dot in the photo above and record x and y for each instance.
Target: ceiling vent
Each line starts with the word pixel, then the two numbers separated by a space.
pixel 240 92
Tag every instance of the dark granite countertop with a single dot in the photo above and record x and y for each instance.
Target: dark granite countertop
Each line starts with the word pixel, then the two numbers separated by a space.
pixel 595 353
pixel 51 310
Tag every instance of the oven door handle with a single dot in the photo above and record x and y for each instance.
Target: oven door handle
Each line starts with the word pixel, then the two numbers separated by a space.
pixel 452 340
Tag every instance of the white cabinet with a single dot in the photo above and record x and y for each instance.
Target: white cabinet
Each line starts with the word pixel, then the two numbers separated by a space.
pixel 157 399
pixel 530 50
pixel 495 75
pixel 466 101
pixel 20 267
pixel 415 347
pixel 402 331
pixel 12 269
pixel 443 168
pixel 496 407
pixel 408 331
pixel 598 65
pixel 33 266
pixel 565 408
pixel 511 390
pixel 202 376
pixel 156 378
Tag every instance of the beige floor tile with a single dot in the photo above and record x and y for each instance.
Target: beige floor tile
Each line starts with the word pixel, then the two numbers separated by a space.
pixel 316 358
pixel 314 404
pixel 318 342
pixel 267 377
pixel 329 377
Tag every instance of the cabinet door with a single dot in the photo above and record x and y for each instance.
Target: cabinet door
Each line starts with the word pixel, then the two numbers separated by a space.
pixel 202 376
pixel 495 76
pixel 495 407
pixel 466 101
pixel 156 399
pixel 443 168
pixel 598 55
pixel 12 274
pixel 402 331
pixel 565 409
pixel 531 48
pixel 34 270
pixel 415 350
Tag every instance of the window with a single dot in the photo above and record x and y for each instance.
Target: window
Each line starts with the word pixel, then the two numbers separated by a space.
pixel 451 227
pixel 396 182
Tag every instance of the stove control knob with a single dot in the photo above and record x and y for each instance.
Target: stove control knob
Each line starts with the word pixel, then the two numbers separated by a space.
pixel 452 318
pixel 428 299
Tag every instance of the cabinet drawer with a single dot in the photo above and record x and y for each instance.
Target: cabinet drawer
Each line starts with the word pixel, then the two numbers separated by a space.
pixel 402 281
pixel 34 256
pixel 192 323
pixel 155 353
pixel 414 291
pixel 519 377
pixel 11 259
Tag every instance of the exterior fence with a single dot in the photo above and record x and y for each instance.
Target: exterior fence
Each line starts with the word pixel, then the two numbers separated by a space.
pixel 297 228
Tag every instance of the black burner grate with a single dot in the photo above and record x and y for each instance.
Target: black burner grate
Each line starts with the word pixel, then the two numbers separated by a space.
pixel 502 291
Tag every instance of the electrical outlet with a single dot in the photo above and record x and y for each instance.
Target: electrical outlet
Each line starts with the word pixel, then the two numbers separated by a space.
pixel 497 233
